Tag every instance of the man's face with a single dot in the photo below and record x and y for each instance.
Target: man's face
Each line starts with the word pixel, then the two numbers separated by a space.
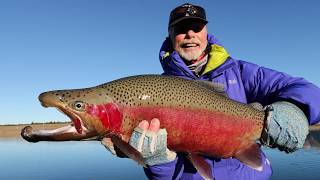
pixel 189 38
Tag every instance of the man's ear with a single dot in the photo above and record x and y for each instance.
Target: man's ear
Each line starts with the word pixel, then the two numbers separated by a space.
pixel 171 33
pixel 171 36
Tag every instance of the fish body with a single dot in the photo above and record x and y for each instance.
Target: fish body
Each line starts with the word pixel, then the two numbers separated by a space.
pixel 197 119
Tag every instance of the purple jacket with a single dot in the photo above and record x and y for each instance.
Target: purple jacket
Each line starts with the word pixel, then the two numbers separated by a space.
pixel 244 82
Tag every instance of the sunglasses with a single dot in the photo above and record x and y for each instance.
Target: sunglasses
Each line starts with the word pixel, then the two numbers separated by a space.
pixel 186 25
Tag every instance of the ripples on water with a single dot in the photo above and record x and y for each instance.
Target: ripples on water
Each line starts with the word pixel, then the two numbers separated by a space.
pixel 89 160
pixel 300 165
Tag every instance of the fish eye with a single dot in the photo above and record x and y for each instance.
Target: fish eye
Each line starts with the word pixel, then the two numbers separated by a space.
pixel 79 105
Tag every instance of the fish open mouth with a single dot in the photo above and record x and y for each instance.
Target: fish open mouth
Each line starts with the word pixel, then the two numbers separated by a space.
pixel 75 119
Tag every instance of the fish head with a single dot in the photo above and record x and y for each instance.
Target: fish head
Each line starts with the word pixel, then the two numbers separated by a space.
pixel 80 105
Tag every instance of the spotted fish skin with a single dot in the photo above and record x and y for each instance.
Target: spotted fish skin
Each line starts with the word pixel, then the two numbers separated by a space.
pixel 197 119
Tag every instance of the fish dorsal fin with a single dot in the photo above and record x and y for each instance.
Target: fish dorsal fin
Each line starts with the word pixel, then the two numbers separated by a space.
pixel 250 156
pixel 212 86
pixel 128 150
pixel 257 106
pixel 201 165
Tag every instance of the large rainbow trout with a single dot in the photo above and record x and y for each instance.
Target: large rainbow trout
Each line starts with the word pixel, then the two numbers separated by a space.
pixel 198 120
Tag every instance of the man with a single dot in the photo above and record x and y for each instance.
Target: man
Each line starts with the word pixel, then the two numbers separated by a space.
pixel 291 104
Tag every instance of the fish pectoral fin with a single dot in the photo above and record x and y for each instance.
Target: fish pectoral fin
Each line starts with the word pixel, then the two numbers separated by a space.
pixel 251 156
pixel 128 150
pixel 201 165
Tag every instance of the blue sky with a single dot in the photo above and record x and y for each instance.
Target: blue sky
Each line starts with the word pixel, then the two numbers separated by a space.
pixel 63 44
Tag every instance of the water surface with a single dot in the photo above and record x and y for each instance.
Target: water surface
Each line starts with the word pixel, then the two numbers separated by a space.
pixel 63 160
pixel 89 160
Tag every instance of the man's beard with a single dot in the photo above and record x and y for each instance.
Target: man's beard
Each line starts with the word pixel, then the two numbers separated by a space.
pixel 191 55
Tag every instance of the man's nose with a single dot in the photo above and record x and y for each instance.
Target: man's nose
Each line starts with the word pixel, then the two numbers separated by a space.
pixel 190 33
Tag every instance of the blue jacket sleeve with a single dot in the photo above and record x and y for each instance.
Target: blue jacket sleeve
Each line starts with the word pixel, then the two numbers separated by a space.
pixel 170 170
pixel 267 86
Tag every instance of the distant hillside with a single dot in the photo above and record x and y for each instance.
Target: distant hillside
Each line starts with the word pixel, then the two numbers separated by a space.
pixel 35 123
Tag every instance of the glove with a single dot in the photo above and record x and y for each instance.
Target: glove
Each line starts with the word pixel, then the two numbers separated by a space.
pixel 286 127
pixel 151 142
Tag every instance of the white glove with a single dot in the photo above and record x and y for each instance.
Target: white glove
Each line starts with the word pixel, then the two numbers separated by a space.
pixel 151 142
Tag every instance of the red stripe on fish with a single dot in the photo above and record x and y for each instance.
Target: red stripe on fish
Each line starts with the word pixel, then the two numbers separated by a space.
pixel 190 128
pixel 108 114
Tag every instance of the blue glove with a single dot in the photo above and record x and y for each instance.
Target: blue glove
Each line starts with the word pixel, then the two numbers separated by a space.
pixel 286 127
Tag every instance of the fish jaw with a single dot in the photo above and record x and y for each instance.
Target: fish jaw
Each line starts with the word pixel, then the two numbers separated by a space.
pixel 65 133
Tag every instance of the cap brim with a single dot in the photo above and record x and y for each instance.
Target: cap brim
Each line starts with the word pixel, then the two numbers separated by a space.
pixel 187 18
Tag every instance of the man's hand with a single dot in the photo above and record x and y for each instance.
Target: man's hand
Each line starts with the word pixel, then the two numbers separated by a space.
pixel 286 127
pixel 149 140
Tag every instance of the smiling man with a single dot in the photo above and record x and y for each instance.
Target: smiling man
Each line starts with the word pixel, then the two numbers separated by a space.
pixel 189 39
pixel 291 104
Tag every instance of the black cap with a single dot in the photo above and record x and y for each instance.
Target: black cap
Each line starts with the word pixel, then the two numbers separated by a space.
pixel 187 11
